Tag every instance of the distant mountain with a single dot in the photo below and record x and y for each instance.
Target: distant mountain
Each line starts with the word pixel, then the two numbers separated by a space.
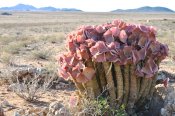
pixel 19 7
pixel 49 8
pixel 70 9
pixel 145 9
pixel 23 7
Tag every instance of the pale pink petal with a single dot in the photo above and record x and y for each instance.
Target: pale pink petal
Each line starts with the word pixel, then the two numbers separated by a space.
pixel 123 36
pixel 108 36
pixel 115 31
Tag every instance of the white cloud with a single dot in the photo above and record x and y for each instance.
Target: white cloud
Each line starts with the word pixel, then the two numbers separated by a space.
pixel 92 5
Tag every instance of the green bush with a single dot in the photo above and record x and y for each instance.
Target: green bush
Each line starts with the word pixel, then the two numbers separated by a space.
pixel 6 13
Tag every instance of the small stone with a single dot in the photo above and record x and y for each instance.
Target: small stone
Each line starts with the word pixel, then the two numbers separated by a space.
pixel 27 112
pixel 57 87
pixel 5 103
pixel 163 111
pixel 49 113
pixel 54 106
pixel 57 113
pixel 16 113
pixel 81 114
pixel 62 112
pixel 21 111
pixel 35 110
pixel 45 110
pixel 62 85
pixel 11 87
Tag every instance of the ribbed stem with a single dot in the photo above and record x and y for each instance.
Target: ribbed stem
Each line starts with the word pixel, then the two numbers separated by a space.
pixel 109 78
pixel 101 75
pixel 144 96
pixel 92 87
pixel 139 80
pixel 146 92
pixel 153 84
pixel 133 87
pixel 120 85
pixel 144 85
pixel 152 88
pixel 125 72
pixel 79 86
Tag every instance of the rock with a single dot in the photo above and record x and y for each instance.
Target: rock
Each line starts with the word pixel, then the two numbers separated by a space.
pixel 62 85
pixel 11 87
pixel 5 103
pixel 62 112
pixel 27 112
pixel 172 95
pixel 173 107
pixel 163 111
pixel 161 76
pixel 50 114
pixel 16 113
pixel 1 111
pixel 169 107
pixel 45 110
pixel 35 111
pixel 173 113
pixel 81 114
pixel 169 102
pixel 57 113
pixel 27 71
pixel 54 106
pixel 21 112
pixel 16 87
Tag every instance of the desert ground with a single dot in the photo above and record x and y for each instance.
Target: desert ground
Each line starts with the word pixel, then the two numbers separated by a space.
pixel 37 38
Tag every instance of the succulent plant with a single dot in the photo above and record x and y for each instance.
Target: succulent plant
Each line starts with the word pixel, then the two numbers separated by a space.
pixel 116 42
pixel 124 56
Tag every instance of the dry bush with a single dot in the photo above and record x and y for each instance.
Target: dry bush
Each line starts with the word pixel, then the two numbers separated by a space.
pixel 31 89
pixel 28 90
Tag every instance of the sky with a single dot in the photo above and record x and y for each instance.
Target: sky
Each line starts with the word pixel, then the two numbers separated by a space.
pixel 92 5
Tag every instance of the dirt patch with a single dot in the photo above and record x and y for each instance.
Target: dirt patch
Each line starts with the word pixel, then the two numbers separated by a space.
pixel 44 100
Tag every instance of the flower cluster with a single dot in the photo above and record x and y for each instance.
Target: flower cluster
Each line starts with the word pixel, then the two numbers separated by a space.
pixel 116 42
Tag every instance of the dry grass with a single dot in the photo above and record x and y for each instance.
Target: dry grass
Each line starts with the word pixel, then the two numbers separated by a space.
pixel 6 57
pixel 41 54
pixel 54 38
pixel 44 37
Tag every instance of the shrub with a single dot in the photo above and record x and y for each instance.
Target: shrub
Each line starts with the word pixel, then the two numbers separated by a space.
pixel 6 13
pixel 31 88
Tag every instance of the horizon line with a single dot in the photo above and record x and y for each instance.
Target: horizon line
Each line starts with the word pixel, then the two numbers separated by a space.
pixel 83 10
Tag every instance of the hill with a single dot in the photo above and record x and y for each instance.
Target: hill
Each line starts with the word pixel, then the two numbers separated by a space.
pixel 145 9
pixel 24 7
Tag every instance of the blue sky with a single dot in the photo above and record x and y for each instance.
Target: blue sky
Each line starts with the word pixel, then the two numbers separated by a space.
pixel 92 5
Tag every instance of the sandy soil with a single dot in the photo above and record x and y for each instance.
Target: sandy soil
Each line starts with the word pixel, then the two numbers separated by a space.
pixel 45 99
